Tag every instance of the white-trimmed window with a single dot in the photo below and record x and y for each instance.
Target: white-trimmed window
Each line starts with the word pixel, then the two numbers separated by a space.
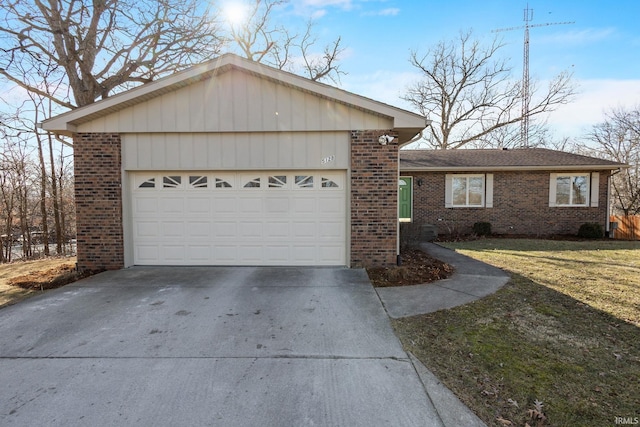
pixel 469 190
pixel 573 189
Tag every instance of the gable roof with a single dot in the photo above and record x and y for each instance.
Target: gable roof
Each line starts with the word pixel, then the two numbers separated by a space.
pixel 406 123
pixel 470 160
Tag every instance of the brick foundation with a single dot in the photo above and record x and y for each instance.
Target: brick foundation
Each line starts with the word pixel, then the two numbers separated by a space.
pixel 520 206
pixel 374 199
pixel 98 191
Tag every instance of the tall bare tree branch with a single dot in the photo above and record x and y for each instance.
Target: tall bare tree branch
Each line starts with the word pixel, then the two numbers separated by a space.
pixel 618 138
pixel 257 39
pixel 102 46
pixel 469 94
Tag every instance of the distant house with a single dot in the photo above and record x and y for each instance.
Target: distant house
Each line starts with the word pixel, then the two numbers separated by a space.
pixel 530 191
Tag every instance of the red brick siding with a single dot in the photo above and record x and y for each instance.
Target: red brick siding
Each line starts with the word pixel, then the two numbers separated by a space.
pixel 98 189
pixel 374 199
pixel 520 206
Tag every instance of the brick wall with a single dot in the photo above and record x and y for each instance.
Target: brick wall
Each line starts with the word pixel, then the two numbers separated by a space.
pixel 98 190
pixel 374 199
pixel 520 206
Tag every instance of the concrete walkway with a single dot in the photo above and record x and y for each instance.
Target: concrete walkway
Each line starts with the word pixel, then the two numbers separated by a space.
pixel 471 280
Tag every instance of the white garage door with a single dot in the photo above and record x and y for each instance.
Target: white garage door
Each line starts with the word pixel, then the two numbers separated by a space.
pixel 239 218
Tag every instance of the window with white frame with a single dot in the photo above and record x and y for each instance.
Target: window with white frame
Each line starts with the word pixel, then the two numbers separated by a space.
pixel 573 189
pixel 469 190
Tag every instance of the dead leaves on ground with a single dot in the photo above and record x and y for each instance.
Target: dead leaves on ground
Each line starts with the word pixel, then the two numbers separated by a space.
pixel 535 415
pixel 417 268
pixel 46 279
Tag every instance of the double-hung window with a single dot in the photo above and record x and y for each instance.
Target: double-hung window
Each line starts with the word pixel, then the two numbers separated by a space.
pixel 469 191
pixel 573 189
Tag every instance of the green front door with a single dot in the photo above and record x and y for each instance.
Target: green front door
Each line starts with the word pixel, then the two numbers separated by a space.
pixel 404 199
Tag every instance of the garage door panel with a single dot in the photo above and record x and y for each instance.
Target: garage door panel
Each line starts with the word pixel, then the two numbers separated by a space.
pixel 331 253
pixel 304 229
pixel 199 253
pixel 173 254
pixel 198 229
pixel 332 205
pixel 250 230
pixel 250 205
pixel 250 254
pixel 305 254
pixel 276 254
pixel 148 253
pixel 172 229
pixel 225 205
pixel 276 229
pixel 147 229
pixel 145 205
pixel 261 218
pixel 331 230
pixel 226 254
pixel 199 205
pixel 224 229
pixel 276 205
pixel 171 205
pixel 304 205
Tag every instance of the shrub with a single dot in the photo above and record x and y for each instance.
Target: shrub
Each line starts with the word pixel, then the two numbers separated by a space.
pixel 482 228
pixel 590 230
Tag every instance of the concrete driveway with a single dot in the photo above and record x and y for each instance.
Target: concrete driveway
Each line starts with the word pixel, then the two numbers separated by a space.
pixel 198 346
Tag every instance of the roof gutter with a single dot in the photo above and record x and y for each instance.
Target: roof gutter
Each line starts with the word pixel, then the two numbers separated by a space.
pixel 420 134
pixel 508 168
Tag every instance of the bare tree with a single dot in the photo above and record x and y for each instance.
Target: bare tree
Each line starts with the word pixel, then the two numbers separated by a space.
pixel 618 138
pixel 101 46
pixel 256 38
pixel 469 94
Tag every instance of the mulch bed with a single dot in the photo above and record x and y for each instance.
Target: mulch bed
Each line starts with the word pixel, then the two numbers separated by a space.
pixel 417 268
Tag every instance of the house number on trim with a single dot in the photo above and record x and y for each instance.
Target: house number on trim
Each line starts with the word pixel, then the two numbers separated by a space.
pixel 328 159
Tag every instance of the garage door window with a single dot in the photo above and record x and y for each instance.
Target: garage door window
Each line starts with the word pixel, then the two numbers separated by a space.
pixel 327 183
pixel 221 183
pixel 198 181
pixel 304 181
pixel 149 183
pixel 253 183
pixel 278 181
pixel 171 181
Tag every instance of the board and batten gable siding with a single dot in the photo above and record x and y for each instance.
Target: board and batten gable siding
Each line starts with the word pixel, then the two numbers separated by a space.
pixel 237 101
pixel 235 151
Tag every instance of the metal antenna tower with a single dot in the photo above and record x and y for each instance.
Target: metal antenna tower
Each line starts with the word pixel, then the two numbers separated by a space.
pixel 528 17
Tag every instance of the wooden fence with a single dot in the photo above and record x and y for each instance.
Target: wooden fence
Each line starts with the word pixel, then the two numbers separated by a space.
pixel 628 227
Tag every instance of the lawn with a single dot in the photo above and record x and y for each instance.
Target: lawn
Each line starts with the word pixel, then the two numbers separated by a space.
pixel 38 271
pixel 559 345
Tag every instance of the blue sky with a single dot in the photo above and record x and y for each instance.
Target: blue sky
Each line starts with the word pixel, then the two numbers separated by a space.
pixel 601 47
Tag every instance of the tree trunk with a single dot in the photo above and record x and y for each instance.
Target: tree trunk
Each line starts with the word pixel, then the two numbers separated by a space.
pixel 43 197
pixel 54 196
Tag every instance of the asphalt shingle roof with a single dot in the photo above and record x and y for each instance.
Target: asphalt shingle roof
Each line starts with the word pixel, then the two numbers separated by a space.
pixel 488 159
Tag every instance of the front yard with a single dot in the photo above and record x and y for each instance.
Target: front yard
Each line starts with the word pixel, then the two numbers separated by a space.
pixel 559 345
pixel 33 277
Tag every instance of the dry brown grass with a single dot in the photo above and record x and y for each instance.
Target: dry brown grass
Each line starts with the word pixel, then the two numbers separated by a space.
pixel 10 294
